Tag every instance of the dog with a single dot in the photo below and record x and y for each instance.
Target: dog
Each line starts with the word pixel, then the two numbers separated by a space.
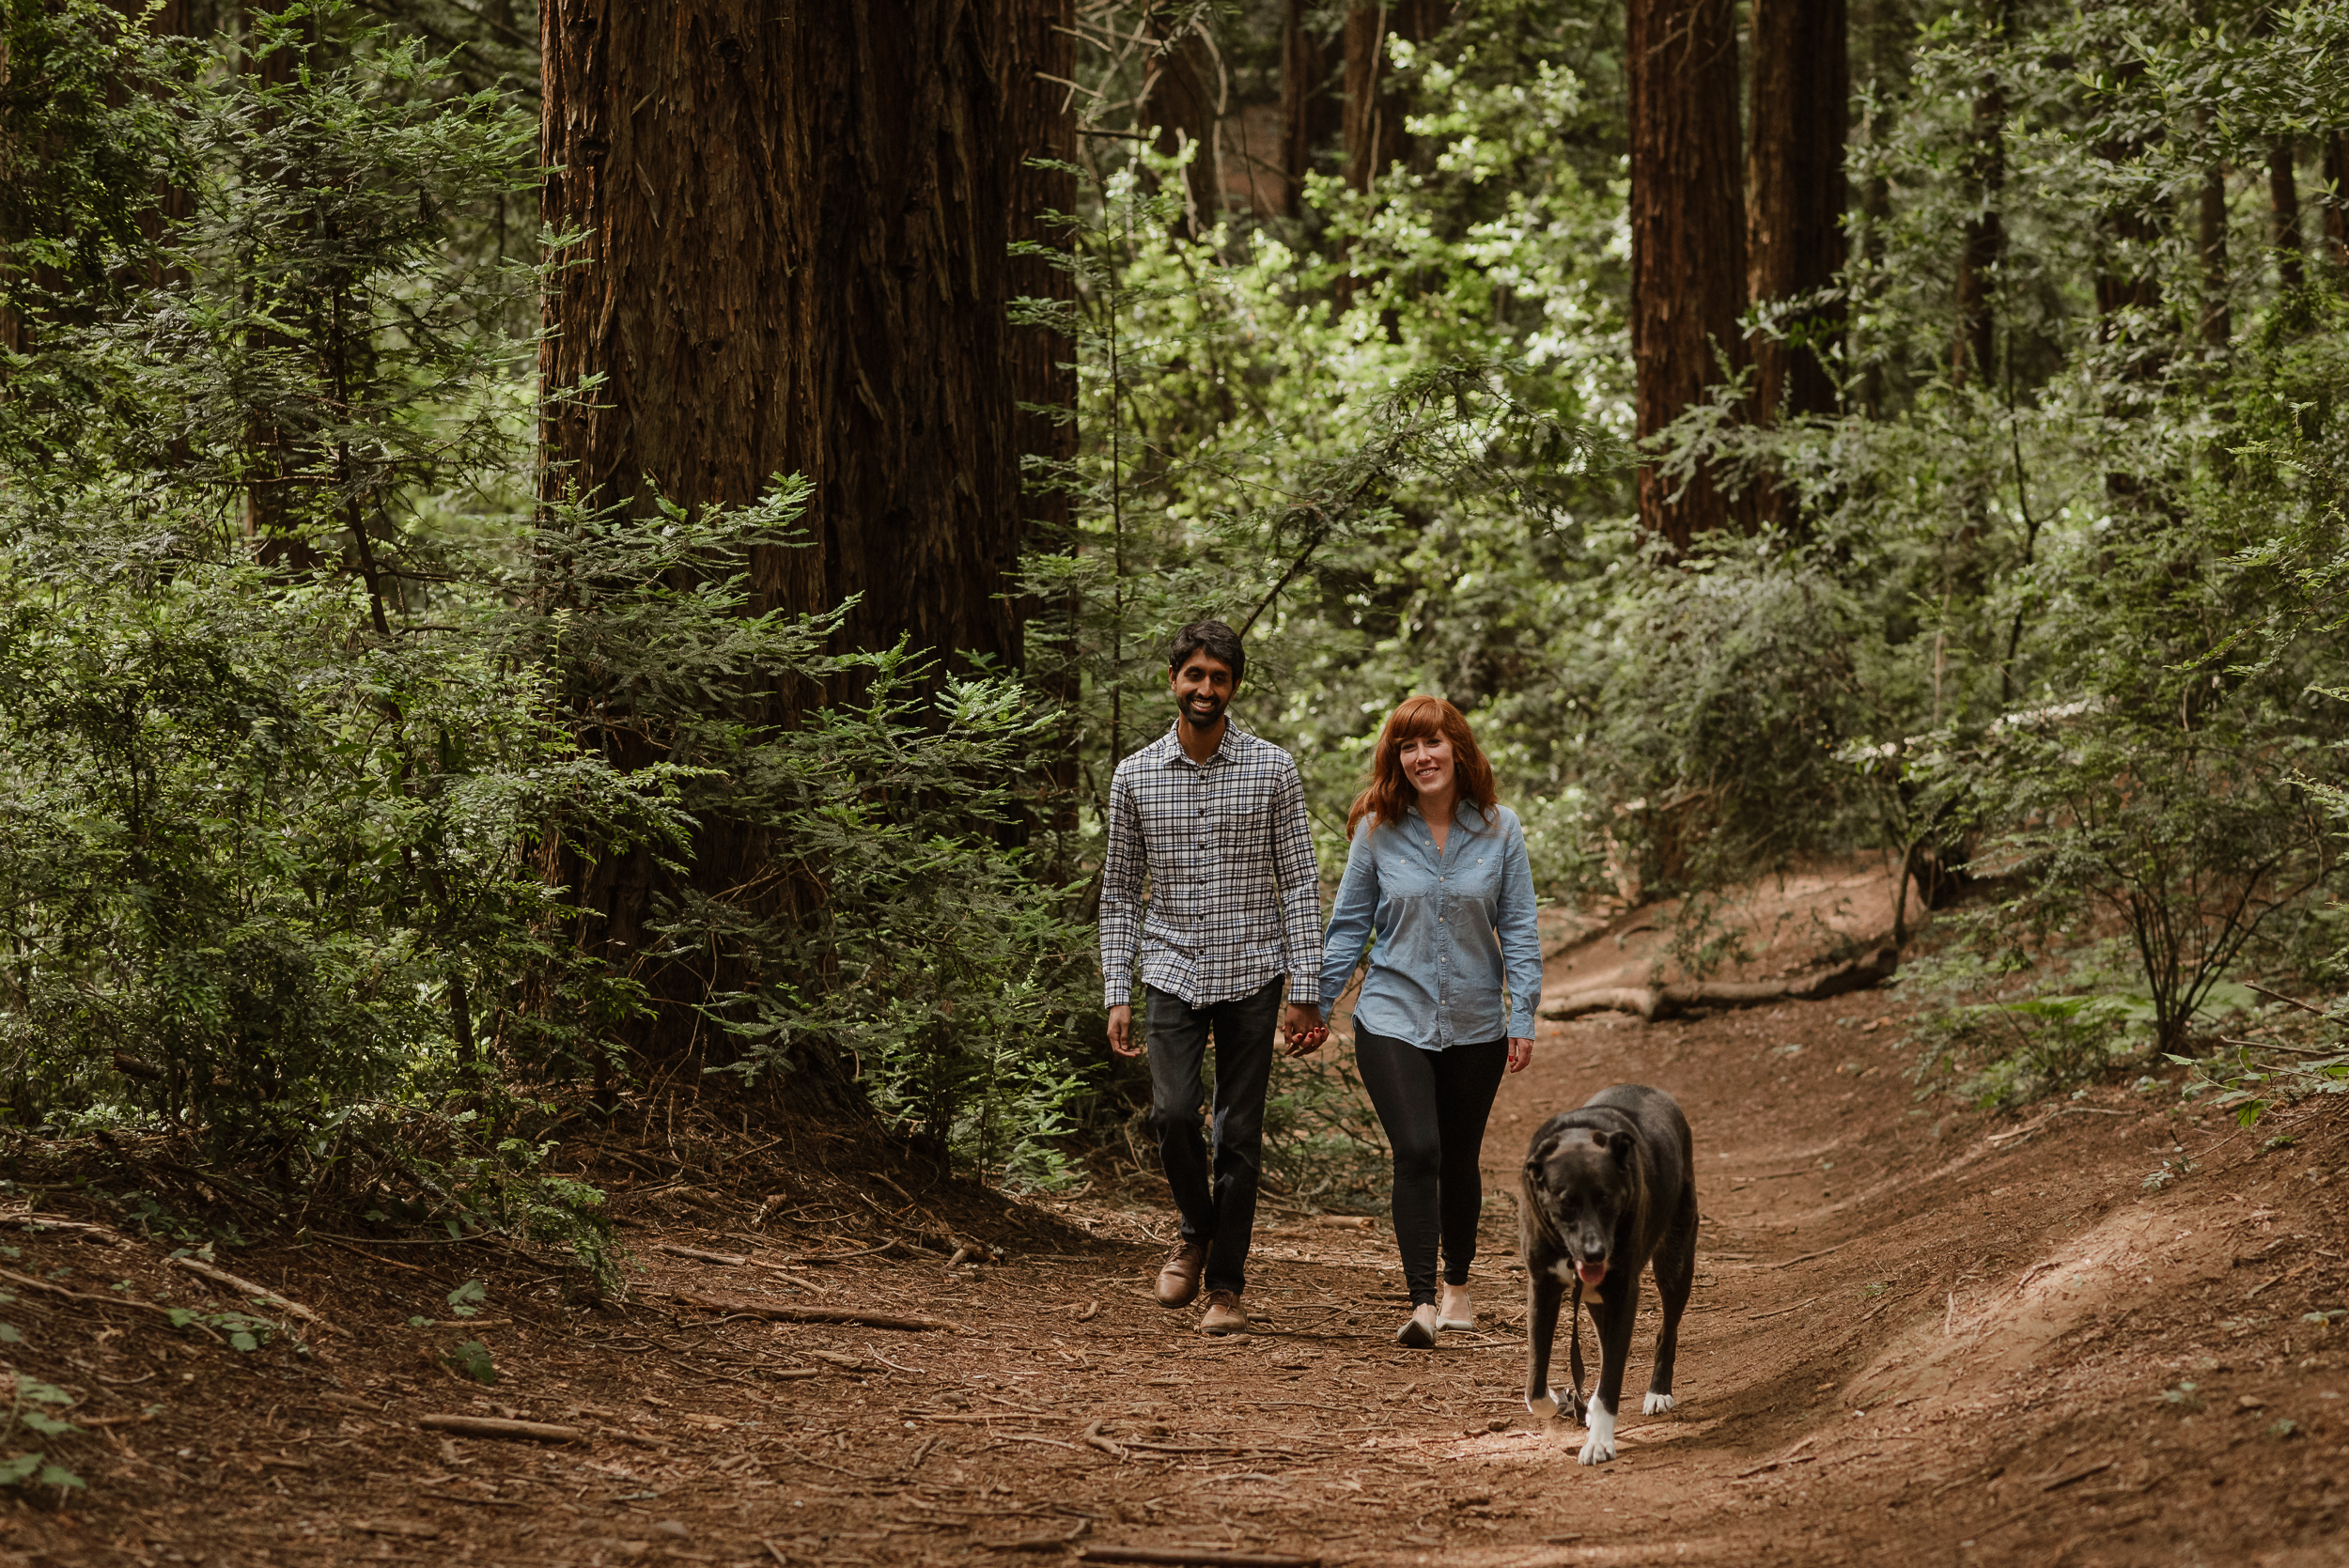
pixel 1608 1189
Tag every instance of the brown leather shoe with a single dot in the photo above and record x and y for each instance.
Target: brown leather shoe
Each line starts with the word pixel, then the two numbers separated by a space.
pixel 1226 1315
pixel 1178 1280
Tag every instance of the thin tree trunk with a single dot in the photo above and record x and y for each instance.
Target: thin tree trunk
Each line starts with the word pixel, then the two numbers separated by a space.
pixel 274 520
pixel 1375 109
pixel 2127 291
pixel 2283 205
pixel 2337 197
pixel 792 260
pixel 1687 238
pixel 2218 320
pixel 1796 194
pixel 1183 96
pixel 1887 35
pixel 1311 115
pixel 1042 123
pixel 1972 351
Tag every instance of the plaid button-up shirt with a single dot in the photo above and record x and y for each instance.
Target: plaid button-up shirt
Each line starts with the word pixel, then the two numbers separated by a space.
pixel 1234 896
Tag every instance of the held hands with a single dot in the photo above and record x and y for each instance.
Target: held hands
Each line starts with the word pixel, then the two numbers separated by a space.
pixel 1520 1052
pixel 1300 1024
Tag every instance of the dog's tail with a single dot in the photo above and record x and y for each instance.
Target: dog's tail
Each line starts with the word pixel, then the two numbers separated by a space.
pixel 1574 1347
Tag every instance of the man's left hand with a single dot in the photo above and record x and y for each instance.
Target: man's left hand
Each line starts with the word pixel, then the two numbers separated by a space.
pixel 1301 1023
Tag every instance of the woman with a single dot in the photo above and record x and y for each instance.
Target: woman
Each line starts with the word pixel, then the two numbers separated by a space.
pixel 1437 871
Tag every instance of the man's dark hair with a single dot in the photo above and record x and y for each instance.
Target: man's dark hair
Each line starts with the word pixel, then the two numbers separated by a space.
pixel 1214 639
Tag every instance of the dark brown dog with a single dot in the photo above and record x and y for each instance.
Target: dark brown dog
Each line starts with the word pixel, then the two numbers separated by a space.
pixel 1610 1189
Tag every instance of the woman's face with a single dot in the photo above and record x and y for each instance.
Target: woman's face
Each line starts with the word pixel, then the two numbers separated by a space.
pixel 1427 763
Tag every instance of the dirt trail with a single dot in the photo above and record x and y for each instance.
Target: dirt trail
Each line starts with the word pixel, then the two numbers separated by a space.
pixel 1918 1336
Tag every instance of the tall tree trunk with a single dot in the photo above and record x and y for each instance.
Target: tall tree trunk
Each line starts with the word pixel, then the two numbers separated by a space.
pixel 792 260
pixel 1796 194
pixel 1687 237
pixel 275 527
pixel 1183 96
pixel 2283 205
pixel 1973 348
pixel 2127 290
pixel 1375 108
pixel 2337 197
pixel 1311 115
pixel 2218 320
pixel 1041 123
pixel 1887 37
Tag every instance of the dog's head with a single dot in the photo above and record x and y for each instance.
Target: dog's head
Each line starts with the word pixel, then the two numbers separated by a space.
pixel 1584 1184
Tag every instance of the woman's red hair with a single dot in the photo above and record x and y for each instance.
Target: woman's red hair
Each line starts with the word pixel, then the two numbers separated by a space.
pixel 1390 795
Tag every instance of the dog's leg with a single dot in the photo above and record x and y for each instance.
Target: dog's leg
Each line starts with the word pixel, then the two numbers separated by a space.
pixel 1676 1272
pixel 1614 1322
pixel 1542 1295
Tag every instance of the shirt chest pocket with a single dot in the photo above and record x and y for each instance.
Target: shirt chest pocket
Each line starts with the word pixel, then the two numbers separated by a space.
pixel 1237 826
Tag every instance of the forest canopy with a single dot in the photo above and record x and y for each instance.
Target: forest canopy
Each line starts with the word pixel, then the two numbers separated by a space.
pixel 539 557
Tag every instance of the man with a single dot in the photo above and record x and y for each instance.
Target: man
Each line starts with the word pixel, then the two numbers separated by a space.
pixel 1216 820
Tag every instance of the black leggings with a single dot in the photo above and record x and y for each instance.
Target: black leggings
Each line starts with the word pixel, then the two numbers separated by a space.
pixel 1432 1104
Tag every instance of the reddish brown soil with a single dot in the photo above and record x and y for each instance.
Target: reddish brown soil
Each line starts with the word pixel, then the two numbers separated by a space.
pixel 1920 1335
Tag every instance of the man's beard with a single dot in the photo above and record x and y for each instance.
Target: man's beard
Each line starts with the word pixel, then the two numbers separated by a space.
pixel 1202 720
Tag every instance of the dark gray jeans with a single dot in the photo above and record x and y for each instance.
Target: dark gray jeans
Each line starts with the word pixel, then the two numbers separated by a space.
pixel 1218 1203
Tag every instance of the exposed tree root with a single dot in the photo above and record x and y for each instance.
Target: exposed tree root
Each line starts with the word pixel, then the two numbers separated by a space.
pixel 1662 1001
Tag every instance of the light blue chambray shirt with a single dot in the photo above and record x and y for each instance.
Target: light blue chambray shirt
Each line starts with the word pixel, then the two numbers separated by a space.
pixel 1450 930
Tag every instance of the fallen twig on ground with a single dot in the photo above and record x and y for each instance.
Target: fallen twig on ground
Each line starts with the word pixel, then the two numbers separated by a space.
pixel 512 1430
pixel 1207 1556
pixel 802 1315
pixel 237 1281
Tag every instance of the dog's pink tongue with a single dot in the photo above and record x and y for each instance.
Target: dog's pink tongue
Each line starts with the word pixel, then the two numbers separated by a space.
pixel 1592 1272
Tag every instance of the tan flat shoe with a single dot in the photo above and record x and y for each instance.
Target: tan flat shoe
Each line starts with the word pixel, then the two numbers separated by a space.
pixel 1226 1315
pixel 1419 1330
pixel 1454 1309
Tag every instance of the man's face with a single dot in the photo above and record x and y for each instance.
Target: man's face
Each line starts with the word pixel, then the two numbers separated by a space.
pixel 1203 685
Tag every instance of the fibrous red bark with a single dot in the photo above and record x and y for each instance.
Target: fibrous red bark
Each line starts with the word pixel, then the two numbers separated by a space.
pixel 1795 192
pixel 790 258
pixel 1687 238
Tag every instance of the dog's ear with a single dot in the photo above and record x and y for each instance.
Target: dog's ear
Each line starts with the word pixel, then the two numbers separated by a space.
pixel 1539 1156
pixel 1620 1145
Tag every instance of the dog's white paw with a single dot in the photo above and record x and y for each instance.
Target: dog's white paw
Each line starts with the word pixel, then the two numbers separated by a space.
pixel 1599 1447
pixel 1544 1407
pixel 1655 1404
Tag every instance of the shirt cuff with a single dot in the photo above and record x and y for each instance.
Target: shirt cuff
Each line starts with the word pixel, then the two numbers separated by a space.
pixel 1117 993
pixel 1521 1025
pixel 1304 990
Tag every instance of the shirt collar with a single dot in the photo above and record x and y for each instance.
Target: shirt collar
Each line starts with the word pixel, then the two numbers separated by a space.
pixel 1465 814
pixel 1224 748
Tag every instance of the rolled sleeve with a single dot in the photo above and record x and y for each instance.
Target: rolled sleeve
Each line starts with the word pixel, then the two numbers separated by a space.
pixel 1515 923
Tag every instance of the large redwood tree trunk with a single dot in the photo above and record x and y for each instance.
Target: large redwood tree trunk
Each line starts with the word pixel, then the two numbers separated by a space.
pixel 1796 194
pixel 1687 237
pixel 792 260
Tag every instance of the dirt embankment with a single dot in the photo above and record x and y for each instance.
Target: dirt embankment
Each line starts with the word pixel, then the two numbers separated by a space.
pixel 1919 1334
